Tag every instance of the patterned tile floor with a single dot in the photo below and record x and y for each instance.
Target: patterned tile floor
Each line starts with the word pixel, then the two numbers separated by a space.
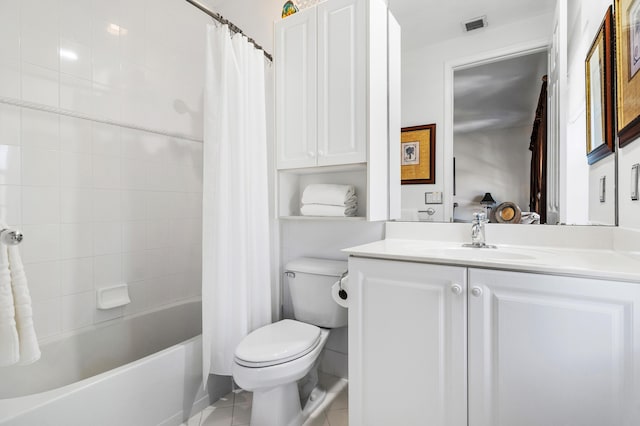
pixel 234 409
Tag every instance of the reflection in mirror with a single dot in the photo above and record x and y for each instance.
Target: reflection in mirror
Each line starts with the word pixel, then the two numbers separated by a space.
pixel 493 136
pixel 485 141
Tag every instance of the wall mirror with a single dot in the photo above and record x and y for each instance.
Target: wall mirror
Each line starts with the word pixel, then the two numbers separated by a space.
pixel 493 93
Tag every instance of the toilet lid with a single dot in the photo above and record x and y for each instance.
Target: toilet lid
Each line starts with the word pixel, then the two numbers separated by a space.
pixel 277 343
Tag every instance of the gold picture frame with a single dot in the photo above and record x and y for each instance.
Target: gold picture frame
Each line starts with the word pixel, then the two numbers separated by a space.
pixel 600 93
pixel 628 64
pixel 418 155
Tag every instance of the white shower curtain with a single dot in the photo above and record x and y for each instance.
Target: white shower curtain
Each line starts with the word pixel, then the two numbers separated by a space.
pixel 236 279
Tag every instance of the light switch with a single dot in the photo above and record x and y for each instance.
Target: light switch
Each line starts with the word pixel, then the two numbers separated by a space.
pixel 603 185
pixel 433 197
pixel 634 182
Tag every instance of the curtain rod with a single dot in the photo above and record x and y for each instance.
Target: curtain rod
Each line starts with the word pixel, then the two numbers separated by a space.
pixel 231 25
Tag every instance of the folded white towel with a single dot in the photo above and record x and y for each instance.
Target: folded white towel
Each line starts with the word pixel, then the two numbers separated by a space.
pixel 29 348
pixel 335 195
pixel 326 210
pixel 9 342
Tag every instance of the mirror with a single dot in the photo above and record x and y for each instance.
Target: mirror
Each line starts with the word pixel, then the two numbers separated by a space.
pixel 482 89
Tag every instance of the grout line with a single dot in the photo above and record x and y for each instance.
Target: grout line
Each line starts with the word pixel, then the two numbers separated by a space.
pixel 67 113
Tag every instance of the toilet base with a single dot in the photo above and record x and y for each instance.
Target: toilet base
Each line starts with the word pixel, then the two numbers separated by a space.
pixel 278 406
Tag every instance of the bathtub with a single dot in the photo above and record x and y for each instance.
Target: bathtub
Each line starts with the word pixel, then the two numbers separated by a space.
pixel 143 370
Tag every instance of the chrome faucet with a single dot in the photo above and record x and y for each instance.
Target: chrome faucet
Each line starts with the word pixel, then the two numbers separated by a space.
pixel 478 232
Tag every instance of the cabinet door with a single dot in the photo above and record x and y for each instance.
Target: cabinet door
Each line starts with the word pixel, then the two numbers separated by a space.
pixel 407 345
pixel 296 99
pixel 547 350
pixel 342 80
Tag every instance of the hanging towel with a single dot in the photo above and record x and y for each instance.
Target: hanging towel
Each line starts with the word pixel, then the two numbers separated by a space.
pixel 9 342
pixel 18 341
pixel 335 195
pixel 29 348
pixel 326 210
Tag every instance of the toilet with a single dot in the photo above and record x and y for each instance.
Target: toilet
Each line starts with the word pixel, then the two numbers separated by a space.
pixel 271 360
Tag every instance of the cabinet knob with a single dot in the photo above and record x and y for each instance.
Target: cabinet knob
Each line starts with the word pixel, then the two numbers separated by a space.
pixel 476 291
pixel 312 154
pixel 320 153
pixel 456 289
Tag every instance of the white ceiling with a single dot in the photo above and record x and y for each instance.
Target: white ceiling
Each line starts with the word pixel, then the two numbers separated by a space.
pixel 498 95
pixel 431 21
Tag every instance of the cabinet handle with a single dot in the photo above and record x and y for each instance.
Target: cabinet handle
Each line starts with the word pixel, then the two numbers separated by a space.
pixel 456 289
pixel 476 291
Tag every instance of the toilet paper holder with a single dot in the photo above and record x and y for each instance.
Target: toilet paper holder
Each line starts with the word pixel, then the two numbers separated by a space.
pixel 342 292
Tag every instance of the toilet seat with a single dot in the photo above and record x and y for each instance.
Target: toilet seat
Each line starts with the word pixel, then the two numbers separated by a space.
pixel 277 343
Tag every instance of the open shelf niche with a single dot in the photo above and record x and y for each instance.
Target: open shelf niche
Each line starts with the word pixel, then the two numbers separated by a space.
pixel 292 182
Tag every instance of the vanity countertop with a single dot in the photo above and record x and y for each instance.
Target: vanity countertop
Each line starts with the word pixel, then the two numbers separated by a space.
pixel 591 262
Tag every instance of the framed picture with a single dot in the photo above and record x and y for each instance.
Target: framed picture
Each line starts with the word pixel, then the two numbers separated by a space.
pixel 627 66
pixel 600 93
pixel 418 156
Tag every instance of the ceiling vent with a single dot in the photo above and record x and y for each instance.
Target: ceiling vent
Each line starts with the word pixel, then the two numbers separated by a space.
pixel 475 24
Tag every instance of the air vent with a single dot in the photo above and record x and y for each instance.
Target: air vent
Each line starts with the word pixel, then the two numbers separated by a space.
pixel 475 24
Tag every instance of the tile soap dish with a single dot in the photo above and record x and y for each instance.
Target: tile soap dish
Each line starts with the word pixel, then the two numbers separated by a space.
pixel 112 297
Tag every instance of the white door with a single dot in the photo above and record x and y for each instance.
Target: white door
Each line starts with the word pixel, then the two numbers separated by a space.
pixel 342 137
pixel 547 351
pixel 407 344
pixel 296 98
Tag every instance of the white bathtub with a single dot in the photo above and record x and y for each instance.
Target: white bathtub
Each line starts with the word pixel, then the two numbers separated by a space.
pixel 144 370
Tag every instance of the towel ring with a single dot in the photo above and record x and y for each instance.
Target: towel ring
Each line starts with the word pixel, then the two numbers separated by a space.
pixel 11 237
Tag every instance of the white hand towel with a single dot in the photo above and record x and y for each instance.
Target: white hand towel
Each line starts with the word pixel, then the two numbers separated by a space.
pixel 335 195
pixel 9 342
pixel 29 348
pixel 325 210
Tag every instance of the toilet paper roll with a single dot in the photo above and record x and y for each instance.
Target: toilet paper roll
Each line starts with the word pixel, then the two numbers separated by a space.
pixel 335 293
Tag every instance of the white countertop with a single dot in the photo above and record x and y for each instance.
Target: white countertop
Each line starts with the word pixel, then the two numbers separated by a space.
pixel 557 259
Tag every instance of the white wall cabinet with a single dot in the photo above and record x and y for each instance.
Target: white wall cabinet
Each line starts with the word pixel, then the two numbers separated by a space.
pixel 296 95
pixel 542 350
pixel 342 88
pixel 332 100
pixel 321 55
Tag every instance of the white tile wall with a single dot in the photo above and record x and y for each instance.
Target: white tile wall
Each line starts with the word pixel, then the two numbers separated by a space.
pixel 97 202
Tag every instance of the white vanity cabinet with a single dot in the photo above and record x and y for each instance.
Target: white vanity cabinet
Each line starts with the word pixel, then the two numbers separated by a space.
pixel 549 350
pixel 542 349
pixel 407 344
pixel 337 111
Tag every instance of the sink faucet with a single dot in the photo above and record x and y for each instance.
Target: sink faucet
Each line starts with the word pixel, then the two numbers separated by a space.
pixel 477 231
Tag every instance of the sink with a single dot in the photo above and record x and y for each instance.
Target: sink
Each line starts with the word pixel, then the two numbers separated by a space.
pixel 481 254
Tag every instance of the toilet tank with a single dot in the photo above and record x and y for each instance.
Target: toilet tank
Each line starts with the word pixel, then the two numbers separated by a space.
pixel 310 282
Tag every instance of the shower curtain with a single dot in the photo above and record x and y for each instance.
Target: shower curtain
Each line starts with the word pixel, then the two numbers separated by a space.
pixel 236 279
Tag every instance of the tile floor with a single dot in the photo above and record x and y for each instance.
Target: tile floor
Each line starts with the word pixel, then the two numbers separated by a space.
pixel 234 409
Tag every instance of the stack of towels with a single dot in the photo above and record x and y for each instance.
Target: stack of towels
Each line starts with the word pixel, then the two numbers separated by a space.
pixel 329 200
pixel 18 341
